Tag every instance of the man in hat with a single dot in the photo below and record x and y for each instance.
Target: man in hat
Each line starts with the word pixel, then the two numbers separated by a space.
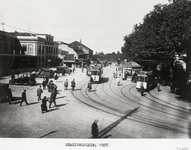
pixel 95 129
pixel 24 98
pixel 39 92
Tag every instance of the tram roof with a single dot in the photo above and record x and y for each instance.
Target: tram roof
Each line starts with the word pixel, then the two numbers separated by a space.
pixel 145 73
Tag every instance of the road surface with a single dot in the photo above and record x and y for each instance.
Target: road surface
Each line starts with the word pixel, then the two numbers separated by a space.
pixel 121 110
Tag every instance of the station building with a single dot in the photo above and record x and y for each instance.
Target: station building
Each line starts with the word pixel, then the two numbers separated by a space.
pixel 42 46
pixel 85 54
pixel 12 55
pixel 25 50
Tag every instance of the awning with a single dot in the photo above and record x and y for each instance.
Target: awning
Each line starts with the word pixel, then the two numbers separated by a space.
pixel 130 64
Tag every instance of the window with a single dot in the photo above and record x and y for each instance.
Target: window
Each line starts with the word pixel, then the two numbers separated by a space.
pixel 30 49
pixel 141 78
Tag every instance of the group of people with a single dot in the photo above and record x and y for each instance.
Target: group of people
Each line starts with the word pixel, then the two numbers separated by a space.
pixel 52 88
pixel 73 84
pixel 10 97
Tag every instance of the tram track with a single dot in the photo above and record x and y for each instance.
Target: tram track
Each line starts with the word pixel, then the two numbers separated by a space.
pixel 148 119
pixel 161 121
pixel 168 103
pixel 156 105
pixel 155 116
pixel 122 98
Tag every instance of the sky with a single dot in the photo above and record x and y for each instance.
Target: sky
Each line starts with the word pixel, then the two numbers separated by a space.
pixel 100 24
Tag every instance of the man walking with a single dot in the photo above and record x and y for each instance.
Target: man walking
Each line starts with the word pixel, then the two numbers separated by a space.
pixel 39 92
pixel 66 84
pixel 53 97
pixel 142 89
pixel 24 98
pixel 89 86
pixel 44 84
pixel 73 84
pixel 95 129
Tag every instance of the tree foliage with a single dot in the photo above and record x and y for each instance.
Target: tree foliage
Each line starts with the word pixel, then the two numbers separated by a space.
pixel 165 31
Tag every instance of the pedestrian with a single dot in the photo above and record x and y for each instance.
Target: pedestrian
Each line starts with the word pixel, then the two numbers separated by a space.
pixel 9 95
pixel 142 89
pixel 66 84
pixel 43 105
pixel 44 84
pixel 158 83
pixel 47 80
pixel 39 92
pixel 91 79
pixel 95 129
pixel 24 98
pixel 50 85
pixel 53 97
pixel 89 86
pixel 118 83
pixel 56 77
pixel 73 84
pixel 134 77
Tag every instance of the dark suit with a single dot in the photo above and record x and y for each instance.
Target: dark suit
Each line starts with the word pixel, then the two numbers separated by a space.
pixel 24 98
pixel 95 130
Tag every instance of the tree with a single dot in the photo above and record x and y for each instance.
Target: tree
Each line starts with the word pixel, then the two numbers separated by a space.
pixel 164 31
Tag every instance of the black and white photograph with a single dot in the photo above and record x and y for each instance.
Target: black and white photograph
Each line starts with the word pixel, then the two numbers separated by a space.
pixel 104 74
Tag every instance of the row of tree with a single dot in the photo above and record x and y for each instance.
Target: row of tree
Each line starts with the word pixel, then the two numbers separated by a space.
pixel 165 31
pixel 110 57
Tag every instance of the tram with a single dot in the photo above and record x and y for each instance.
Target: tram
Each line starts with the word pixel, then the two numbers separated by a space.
pixel 95 71
pixel 146 78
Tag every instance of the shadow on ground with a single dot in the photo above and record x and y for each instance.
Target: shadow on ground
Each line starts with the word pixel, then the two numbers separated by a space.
pixel 102 133
pixel 103 80
pixel 48 134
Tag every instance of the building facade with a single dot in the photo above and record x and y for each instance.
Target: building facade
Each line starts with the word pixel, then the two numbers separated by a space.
pixel 12 55
pixel 42 46
pixel 83 51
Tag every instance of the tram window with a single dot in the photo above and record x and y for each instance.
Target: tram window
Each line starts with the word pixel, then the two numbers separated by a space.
pixel 141 79
pixel 94 73
pixel 146 78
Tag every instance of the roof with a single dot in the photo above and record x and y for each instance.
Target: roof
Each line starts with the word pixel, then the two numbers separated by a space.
pixel 130 64
pixel 75 45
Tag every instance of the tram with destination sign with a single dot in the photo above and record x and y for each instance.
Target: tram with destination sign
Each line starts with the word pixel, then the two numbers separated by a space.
pixel 95 71
pixel 146 78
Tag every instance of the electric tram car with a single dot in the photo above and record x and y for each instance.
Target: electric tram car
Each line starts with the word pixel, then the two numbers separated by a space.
pixel 96 71
pixel 146 78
